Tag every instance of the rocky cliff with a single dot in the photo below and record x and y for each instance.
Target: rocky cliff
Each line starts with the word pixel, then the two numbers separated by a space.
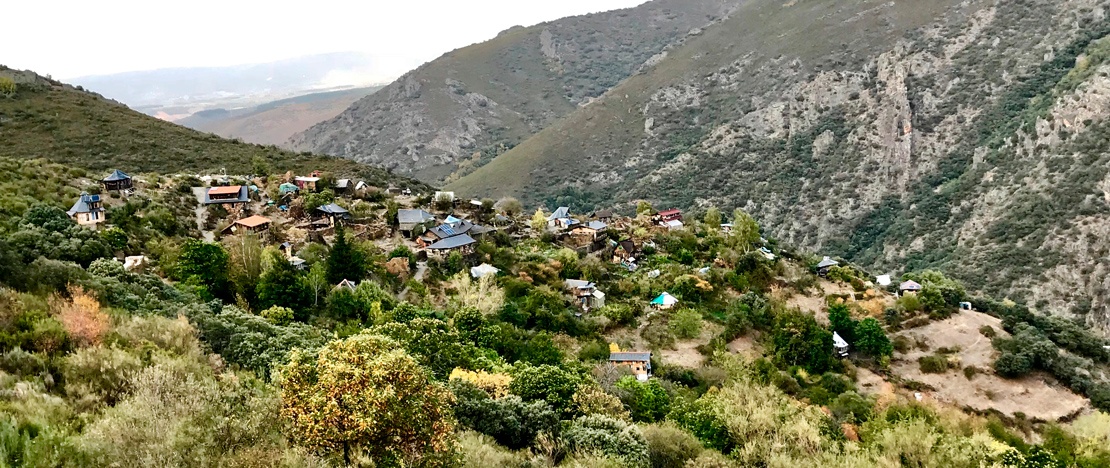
pixel 969 136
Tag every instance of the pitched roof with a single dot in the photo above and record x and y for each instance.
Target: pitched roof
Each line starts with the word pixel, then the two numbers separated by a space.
pixel 562 212
pixel 342 183
pixel 287 188
pixel 630 357
pixel 453 242
pixel 83 204
pixel 444 231
pixel 910 286
pixel 672 211
pixel 665 299
pixel 116 175
pixel 414 216
pixel 332 209
pixel 578 284
pixel 627 245
pixel 306 179
pixel 827 262
pixel 228 190
pixel 253 221
pixel 838 341
pixel 596 225
pixel 483 270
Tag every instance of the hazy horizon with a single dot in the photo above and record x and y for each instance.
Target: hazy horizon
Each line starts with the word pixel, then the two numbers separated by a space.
pixel 118 36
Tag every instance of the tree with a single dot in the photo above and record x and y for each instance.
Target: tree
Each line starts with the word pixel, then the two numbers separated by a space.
pixel 316 200
pixel 245 265
pixel 647 401
pixel 644 208
pixel 797 339
pixel 713 219
pixel 539 221
pixel 841 322
pixel 509 420
pixel 7 87
pixel 871 340
pixel 443 202
pixel 206 263
pixel 510 206
pixel 278 315
pixel 365 394
pixel 281 285
pixel 345 261
pixel 433 343
pixel 745 231
pixel 686 324
pixel 549 383
pixel 317 281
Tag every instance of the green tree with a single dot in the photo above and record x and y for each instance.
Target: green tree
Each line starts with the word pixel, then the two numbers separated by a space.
pixel 686 324
pixel 647 401
pixel 745 231
pixel 365 394
pixel 870 339
pixel 548 383
pixel 345 261
pixel 841 321
pixel 316 200
pixel 278 315
pixel 206 263
pixel 317 281
pixel 509 420
pixel 510 206
pixel 643 208
pixel 434 344
pixel 539 221
pixel 713 219
pixel 282 285
pixel 245 265
pixel 797 339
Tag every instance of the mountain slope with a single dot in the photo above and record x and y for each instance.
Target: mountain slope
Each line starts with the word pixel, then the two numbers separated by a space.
pixel 966 136
pixel 50 120
pixel 275 122
pixel 473 103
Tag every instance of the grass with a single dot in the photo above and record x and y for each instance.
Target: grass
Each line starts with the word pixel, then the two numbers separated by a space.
pixel 47 120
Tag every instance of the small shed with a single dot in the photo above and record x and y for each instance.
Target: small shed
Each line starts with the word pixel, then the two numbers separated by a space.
pixel 254 224
pixel 585 294
pixel 839 345
pixel 824 265
pixel 462 243
pixel 664 301
pixel 347 284
pixel 333 213
pixel 639 362
pixel 909 287
pixel 673 224
pixel 116 181
pixel 287 188
pixel 883 280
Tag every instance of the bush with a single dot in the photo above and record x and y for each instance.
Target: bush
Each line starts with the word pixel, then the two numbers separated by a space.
pixel 509 420
pixel 647 401
pixel 1012 365
pixel 602 435
pixel 852 408
pixel 670 446
pixel 548 383
pixel 988 331
pixel 686 324
pixel 934 364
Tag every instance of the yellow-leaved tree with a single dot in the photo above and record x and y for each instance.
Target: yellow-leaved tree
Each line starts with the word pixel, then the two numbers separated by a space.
pixel 366 400
pixel 539 221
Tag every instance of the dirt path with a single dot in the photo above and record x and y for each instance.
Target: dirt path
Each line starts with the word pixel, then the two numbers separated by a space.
pixel 209 236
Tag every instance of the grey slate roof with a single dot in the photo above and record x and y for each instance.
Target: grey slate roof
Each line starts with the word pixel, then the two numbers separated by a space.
pixel 453 242
pixel 562 212
pixel 414 216
pixel 630 357
pixel 332 209
pixel 579 284
pixel 596 225
pixel 827 262
pixel 116 175
pixel 82 204
pixel 342 183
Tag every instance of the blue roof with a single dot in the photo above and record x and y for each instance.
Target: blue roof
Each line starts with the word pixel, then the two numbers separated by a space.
pixel 332 209
pixel 453 242
pixel 116 175
pixel 83 204
pixel 452 220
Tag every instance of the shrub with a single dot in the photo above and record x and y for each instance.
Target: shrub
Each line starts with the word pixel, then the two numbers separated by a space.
pixel 686 324
pixel 1012 365
pixel 988 331
pixel 509 420
pixel 669 446
pixel 602 435
pixel 100 374
pixel 934 364
pixel 278 315
pixel 852 408
pixel 548 383
pixel 647 401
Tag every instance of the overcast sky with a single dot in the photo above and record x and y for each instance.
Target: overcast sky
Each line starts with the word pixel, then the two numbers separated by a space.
pixel 70 38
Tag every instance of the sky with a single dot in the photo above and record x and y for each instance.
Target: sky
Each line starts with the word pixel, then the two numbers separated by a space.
pixel 72 38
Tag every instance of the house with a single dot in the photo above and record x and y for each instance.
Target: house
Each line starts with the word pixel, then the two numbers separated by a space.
pixel 408 220
pixel 116 181
pixel 333 213
pixel 306 183
pixel 604 216
pixel 767 253
pixel 483 270
pixel 625 252
pixel 563 212
pixel 824 265
pixel 883 280
pixel 342 185
pixel 87 211
pixel 298 263
pixel 450 228
pixel 287 188
pixel 673 224
pixel 585 294
pixel 462 243
pixel 909 287
pixel 347 284
pixel 255 224
pixel 661 218
pixel 640 363
pixel 839 345
pixel 589 230
pixel 664 301
pixel 227 195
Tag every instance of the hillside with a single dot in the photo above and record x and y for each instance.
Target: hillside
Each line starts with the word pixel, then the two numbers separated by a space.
pixel 473 103
pixel 273 123
pixel 50 120
pixel 965 136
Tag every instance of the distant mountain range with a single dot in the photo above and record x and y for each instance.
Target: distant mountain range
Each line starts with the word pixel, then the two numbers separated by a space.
pixel 275 122
pixel 176 93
